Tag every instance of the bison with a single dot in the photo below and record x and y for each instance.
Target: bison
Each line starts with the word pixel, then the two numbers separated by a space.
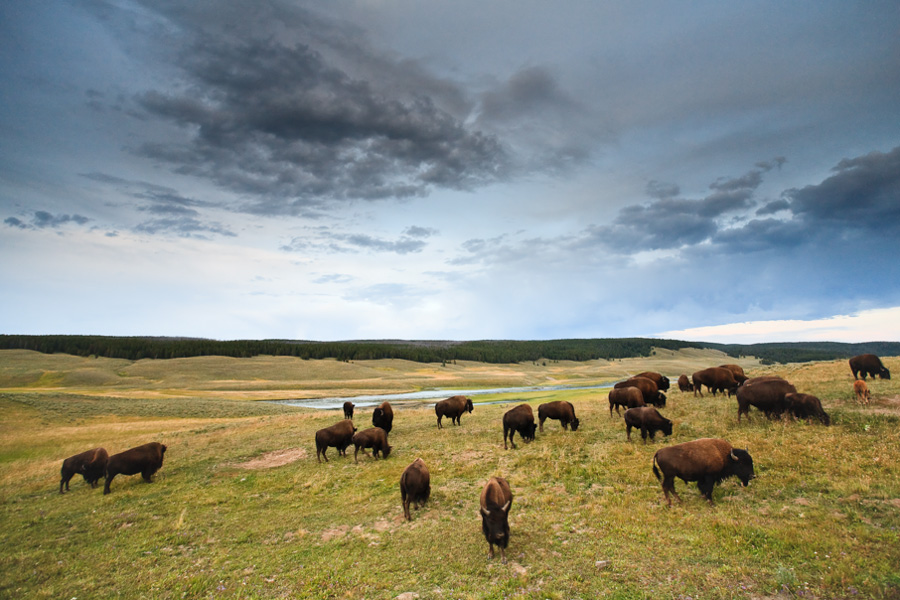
pixel 706 461
pixel 715 379
pixel 383 416
pixel 684 384
pixel 862 391
pixel 806 406
pixel 648 388
pixel 737 371
pixel 661 381
pixel 415 486
pixel 496 499
pixel 374 438
pixel 765 393
pixel 627 397
pixel 559 410
pixel 348 410
pixel 146 460
pixel 91 464
pixel 521 419
pixel 452 407
pixel 648 420
pixel 339 435
pixel 868 364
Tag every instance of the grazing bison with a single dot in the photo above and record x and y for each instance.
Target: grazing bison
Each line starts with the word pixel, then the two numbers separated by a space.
pixel 806 406
pixel 452 407
pixel 706 461
pixel 383 416
pixel 521 419
pixel 661 381
pixel 868 364
pixel 648 388
pixel 496 499
pixel 648 420
pixel 339 435
pixel 560 410
pixel 715 379
pixel 374 438
pixel 146 460
pixel 91 464
pixel 765 393
pixel 862 391
pixel 415 486
pixel 737 371
pixel 348 410
pixel 627 397
pixel 684 384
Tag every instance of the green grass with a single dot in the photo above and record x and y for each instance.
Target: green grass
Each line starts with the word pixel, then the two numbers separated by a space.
pixel 588 519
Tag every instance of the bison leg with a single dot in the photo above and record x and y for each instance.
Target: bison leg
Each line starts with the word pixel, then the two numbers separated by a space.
pixel 147 475
pixel 542 419
pixel 502 555
pixel 628 431
pixel 644 433
pixel 109 478
pixel 668 485
pixel 706 486
pixel 490 551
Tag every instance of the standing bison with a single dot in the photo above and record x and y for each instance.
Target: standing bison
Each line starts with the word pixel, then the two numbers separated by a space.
pixel 339 435
pixel 415 486
pixel 626 397
pixel 661 381
pixel 648 420
pixel 765 393
pixel 383 416
pixel 496 499
pixel 684 384
pixel 806 406
pixel 868 364
pixel 521 419
pixel 452 407
pixel 348 410
pixel 648 388
pixel 374 438
pixel 715 379
pixel 737 371
pixel 559 410
pixel 91 464
pixel 706 461
pixel 146 460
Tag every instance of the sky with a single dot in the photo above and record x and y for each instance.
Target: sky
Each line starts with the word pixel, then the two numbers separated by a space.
pixel 454 170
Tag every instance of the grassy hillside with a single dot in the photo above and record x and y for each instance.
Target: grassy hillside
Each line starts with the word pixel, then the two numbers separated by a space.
pixel 241 508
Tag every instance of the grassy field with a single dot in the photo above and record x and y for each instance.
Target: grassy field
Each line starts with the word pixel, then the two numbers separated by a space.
pixel 241 508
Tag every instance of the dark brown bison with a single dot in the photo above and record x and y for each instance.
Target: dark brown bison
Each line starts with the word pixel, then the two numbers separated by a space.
pixel 706 461
pixel 91 464
pixel 415 486
pixel 383 416
pixel 339 435
pixel 648 420
pixel 737 371
pixel 627 397
pixel 715 379
pixel 661 381
pixel 374 438
pixel 684 384
pixel 521 419
pixel 765 393
pixel 452 407
pixel 806 406
pixel 559 410
pixel 648 388
pixel 348 410
pixel 146 460
pixel 496 499
pixel 868 364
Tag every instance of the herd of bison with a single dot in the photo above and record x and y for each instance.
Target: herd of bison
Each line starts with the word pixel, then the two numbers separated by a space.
pixel 706 461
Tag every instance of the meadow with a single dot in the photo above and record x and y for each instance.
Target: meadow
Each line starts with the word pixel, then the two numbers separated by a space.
pixel 242 509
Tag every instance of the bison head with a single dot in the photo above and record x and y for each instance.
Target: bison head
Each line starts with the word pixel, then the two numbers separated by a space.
pixel 529 431
pixel 660 399
pixel 741 465
pixel 666 426
pixel 885 374
pixel 469 406
pixel 574 424
pixel 386 451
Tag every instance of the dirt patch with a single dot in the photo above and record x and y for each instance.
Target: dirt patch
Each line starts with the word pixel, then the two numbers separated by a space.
pixel 276 458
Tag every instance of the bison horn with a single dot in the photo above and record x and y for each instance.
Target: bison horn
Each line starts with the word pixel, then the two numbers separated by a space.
pixel 485 512
pixel 733 456
pixel 506 506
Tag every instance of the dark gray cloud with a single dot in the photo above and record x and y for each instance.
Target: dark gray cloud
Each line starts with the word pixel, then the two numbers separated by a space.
pixel 419 232
pixel 42 219
pixel 773 207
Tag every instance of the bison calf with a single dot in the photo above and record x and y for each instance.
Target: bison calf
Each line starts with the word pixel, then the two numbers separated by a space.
pixel 91 464
pixel 415 486
pixel 452 407
pixel 521 419
pixel 374 438
pixel 706 461
pixel 339 435
pixel 383 416
pixel 684 384
pixel 496 499
pixel 862 391
pixel 146 460
pixel 648 420
pixel 626 397
pixel 559 410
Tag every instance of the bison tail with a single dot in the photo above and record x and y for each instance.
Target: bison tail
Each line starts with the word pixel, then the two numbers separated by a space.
pixel 655 470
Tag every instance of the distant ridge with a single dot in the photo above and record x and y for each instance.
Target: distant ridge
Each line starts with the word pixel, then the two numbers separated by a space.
pixel 489 351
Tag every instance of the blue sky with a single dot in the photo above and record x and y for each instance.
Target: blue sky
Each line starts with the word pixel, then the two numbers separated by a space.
pixel 450 170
